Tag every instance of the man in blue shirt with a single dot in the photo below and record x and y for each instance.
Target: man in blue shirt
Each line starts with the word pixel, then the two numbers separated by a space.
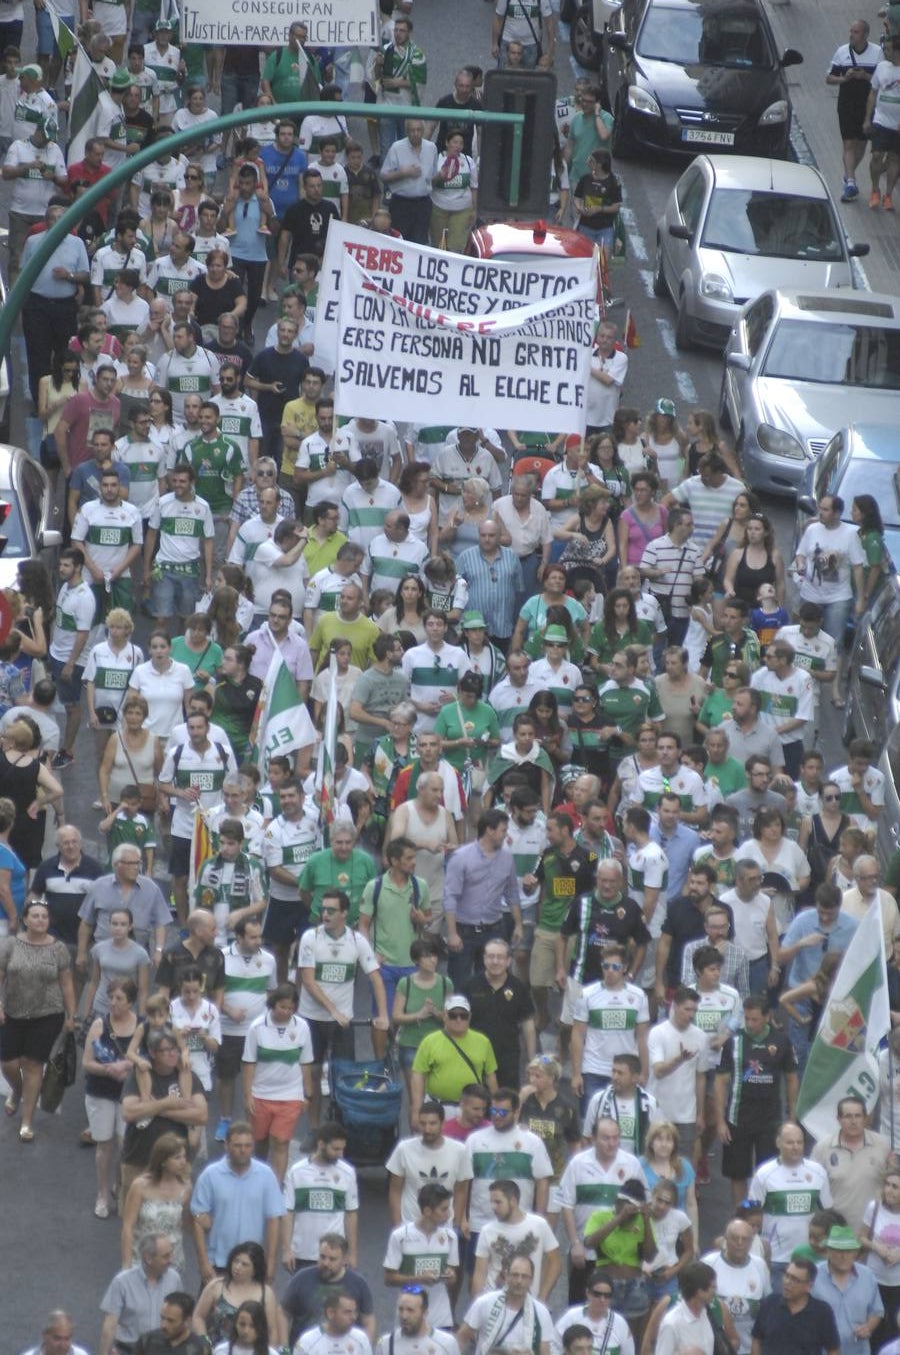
pixel 678 841
pixel 284 162
pixel 812 934
pixel 236 1199
pixel 50 313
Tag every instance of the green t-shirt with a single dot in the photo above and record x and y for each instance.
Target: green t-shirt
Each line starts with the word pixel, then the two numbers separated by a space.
pixel 323 872
pixel 622 1247
pixel 392 932
pixel 715 708
pixel 480 721
pixel 605 646
pixel 207 661
pixel 729 776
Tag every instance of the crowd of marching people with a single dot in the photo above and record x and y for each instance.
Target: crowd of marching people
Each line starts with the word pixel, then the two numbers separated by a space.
pixel 510 740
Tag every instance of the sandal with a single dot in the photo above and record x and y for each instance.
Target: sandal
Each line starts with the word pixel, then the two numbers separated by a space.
pixel 11 1104
pixel 101 1210
pixel 26 1134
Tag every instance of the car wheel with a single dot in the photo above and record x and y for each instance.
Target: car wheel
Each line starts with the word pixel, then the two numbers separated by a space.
pixel 659 280
pixel 586 50
pixel 684 328
pixel 620 142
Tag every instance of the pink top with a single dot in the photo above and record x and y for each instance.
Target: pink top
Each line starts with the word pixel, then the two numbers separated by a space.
pixel 639 534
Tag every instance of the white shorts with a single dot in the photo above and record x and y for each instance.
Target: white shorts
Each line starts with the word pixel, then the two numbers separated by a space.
pixel 573 993
pixel 113 19
pixel 105 1119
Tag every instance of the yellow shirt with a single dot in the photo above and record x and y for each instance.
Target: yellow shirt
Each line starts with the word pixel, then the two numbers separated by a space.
pixel 299 414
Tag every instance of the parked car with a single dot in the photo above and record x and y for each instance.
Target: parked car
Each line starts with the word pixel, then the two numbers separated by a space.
pixel 683 76
pixel 794 362
pixel 873 702
pixel 737 224
pixel 30 528
pixel 863 458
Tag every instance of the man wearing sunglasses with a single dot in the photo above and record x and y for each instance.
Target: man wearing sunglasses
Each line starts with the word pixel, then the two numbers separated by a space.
pixel 607 1330
pixel 451 1059
pixel 414 1331
pixel 505 1150
pixel 795 1323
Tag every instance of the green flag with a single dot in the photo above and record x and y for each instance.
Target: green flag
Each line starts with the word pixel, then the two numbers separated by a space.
pixel 843 1060
pixel 281 723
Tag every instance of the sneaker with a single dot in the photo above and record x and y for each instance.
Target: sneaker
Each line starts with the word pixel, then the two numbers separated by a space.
pixel 850 191
pixel 222 1129
pixel 703 1176
pixel 887 203
pixel 874 198
pixel 62 760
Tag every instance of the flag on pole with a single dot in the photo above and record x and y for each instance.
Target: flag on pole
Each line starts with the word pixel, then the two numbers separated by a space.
pixel 843 1059
pixel 201 851
pixel 63 36
pixel 631 337
pixel 281 723
pixel 84 102
pixel 325 756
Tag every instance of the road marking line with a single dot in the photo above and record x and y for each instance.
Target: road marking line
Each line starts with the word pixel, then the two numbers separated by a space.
pixel 635 239
pixel 646 277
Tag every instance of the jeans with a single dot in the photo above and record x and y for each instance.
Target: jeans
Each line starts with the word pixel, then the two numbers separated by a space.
pixel 835 616
pixel 393 129
pixel 759 975
pixel 605 237
pixel 462 964
pixel 391 974
pixel 238 89
pixel 593 1083
pixel 251 273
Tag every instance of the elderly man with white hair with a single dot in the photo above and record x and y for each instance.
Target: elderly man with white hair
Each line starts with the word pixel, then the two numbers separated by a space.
pixel 56 1336
pixel 855 902
pixel 125 887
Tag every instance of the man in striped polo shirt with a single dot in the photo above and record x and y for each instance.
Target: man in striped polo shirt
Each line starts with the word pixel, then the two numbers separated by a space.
pixel 672 563
pixel 111 533
pixel 709 495
pixel 187 369
pixel 367 501
pixel 183 524
pixel 433 670
pixel 393 554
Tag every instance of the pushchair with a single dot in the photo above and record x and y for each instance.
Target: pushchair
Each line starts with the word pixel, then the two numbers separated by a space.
pixel 365 1098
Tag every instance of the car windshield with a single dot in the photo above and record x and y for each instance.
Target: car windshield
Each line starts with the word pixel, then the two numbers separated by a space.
pixel 13 529
pixel 706 37
pixel 837 354
pixel 771 225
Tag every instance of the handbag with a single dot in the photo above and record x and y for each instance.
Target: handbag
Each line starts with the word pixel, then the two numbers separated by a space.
pixel 147 789
pixel 49 453
pixel 60 1072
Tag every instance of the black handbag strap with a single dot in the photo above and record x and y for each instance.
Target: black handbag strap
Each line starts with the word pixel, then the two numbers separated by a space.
pixel 464 1056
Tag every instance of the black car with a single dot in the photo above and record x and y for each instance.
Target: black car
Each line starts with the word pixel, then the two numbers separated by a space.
pixel 689 75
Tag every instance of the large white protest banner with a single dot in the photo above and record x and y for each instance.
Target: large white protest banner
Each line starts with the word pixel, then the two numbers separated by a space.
pixel 265 23
pixel 453 283
pixel 524 368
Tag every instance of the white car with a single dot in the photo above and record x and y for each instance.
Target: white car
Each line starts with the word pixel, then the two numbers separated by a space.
pixel 29 528
pixel 735 225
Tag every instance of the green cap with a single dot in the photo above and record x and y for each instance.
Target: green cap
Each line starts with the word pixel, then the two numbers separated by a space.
pixel 473 621
pixel 121 79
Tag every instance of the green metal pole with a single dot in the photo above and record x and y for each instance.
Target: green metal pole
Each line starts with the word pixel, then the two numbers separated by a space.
pixel 515 168
pixel 128 168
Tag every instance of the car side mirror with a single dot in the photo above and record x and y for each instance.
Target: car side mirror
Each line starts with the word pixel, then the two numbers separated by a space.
pixel 859 251
pixel 807 505
pixel 619 41
pixel 872 677
pixel 740 361
pixel 679 232
pixel 791 57
pixel 51 539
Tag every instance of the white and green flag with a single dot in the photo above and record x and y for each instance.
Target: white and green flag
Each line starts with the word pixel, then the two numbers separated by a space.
pixel 324 779
pixel 843 1060
pixel 84 100
pixel 282 723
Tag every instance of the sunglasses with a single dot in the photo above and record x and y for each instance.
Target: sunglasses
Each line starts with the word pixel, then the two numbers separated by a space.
pixel 601 1293
pixel 499 1112
pixel 611 964
pixel 458 1016
pixel 412 1289
pixel 831 799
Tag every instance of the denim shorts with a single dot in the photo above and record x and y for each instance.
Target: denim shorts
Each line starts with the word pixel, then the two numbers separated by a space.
pixel 45 43
pixel 175 594
pixel 67 689
pixel 631 1297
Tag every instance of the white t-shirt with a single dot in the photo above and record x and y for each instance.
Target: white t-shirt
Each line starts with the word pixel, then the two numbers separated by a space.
pixel 278 1077
pixel 676 1094
pixel 414 1253
pixel 829 552
pixel 509 1155
pixel 612 1017
pixel 318 1194
pixel 741 1289
pixel 500 1242
pixel 617 1341
pixel 334 960
pixel 510 1337
pixel 418 1165
pixel 886 79
pixel 602 399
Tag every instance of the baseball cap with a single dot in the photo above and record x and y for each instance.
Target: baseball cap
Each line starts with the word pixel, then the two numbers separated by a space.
pixel 457 1003
pixel 665 407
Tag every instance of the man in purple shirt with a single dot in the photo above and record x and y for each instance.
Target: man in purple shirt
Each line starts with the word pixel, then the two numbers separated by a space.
pixel 479 879
pixel 294 650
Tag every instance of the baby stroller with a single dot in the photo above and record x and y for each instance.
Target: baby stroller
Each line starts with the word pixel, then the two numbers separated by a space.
pixel 365 1098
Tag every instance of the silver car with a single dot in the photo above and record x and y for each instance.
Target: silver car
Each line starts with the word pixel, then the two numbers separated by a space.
pixel 29 530
pixel 797 364
pixel 737 224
